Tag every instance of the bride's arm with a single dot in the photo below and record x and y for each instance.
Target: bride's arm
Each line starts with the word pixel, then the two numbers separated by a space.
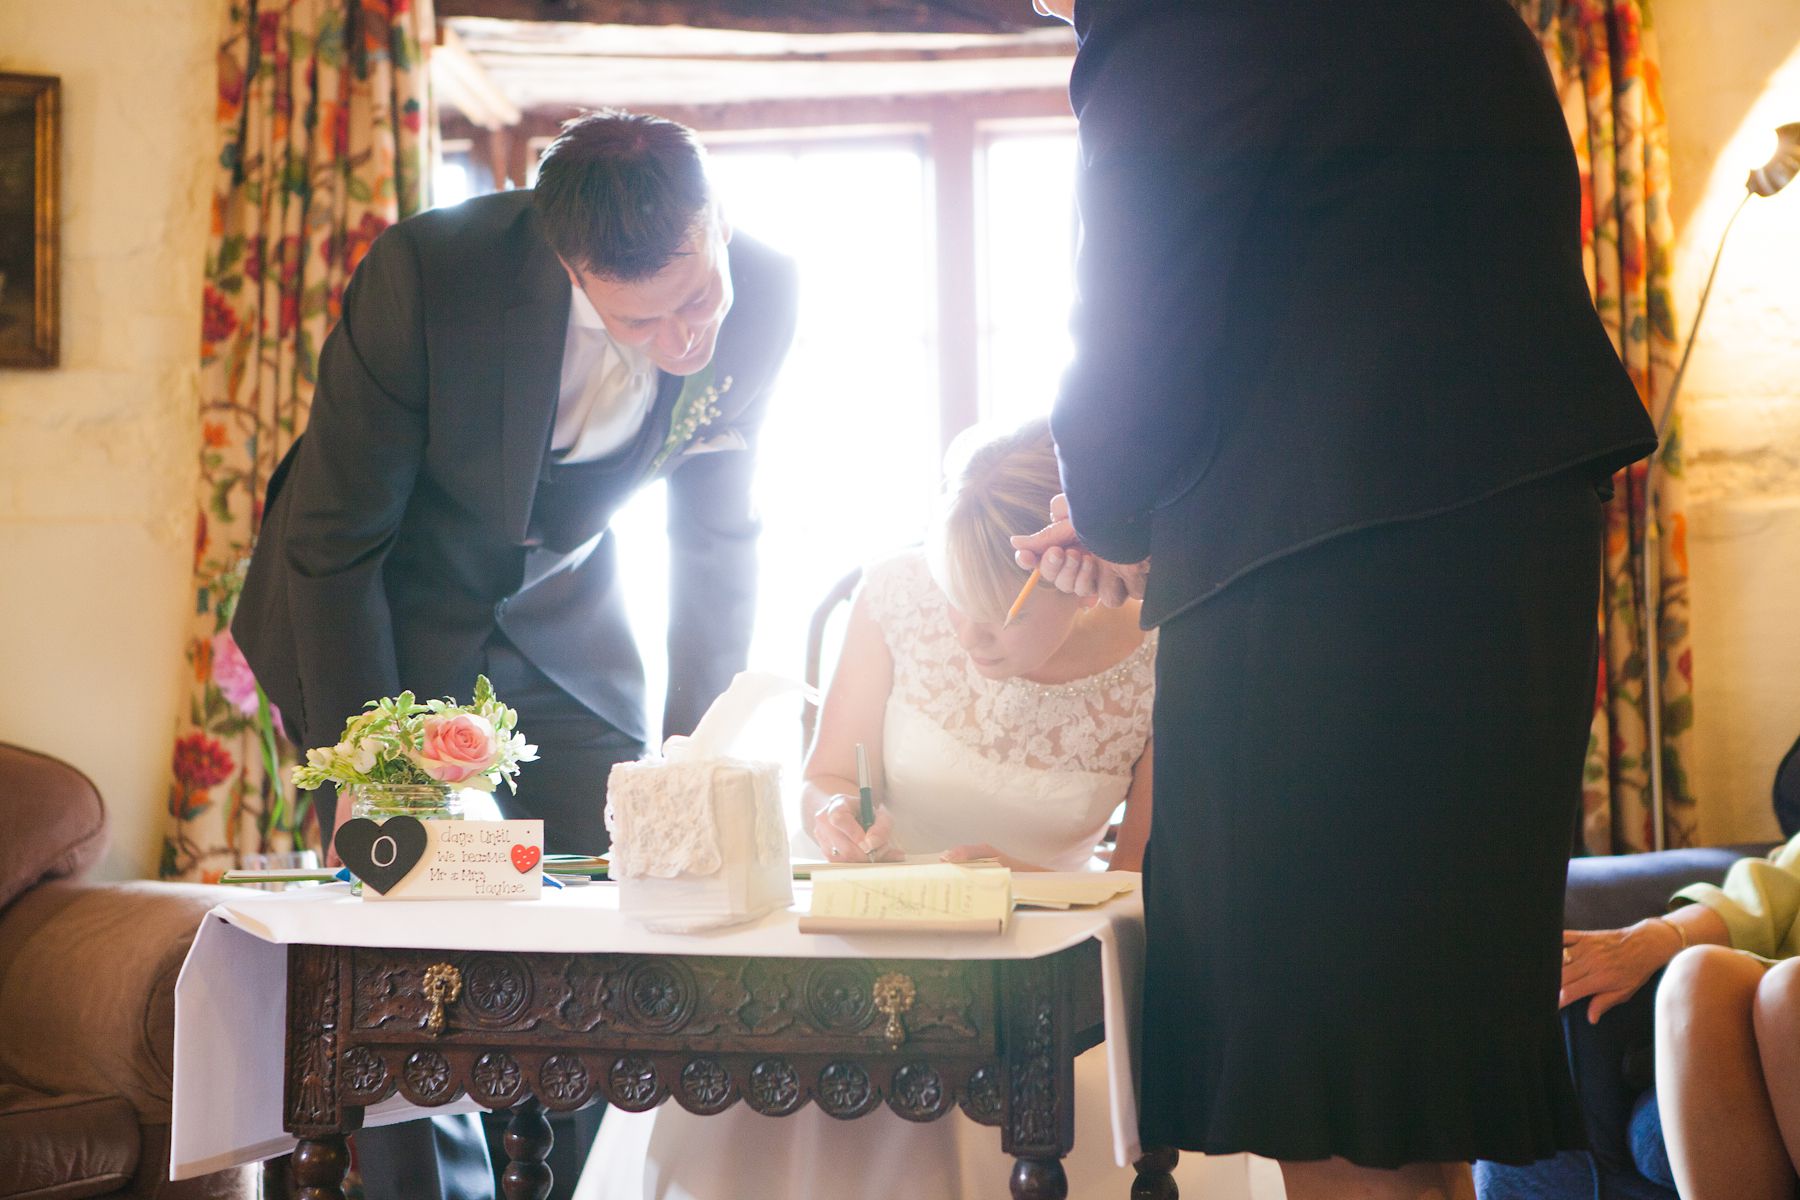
pixel 853 711
pixel 1134 830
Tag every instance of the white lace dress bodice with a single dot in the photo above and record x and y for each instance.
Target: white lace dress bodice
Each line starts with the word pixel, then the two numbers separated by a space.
pixel 1035 770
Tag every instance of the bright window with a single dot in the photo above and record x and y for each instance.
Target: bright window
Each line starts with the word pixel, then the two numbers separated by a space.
pixel 849 451
pixel 1028 282
pixel 455 177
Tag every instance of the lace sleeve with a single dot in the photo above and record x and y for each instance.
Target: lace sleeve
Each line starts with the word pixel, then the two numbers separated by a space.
pixel 893 590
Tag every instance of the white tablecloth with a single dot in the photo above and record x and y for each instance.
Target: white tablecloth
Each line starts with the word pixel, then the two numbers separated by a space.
pixel 231 997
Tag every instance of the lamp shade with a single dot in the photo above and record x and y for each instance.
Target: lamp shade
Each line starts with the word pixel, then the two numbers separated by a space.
pixel 1780 170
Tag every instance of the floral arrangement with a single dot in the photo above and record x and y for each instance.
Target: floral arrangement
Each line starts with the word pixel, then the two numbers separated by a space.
pixel 400 741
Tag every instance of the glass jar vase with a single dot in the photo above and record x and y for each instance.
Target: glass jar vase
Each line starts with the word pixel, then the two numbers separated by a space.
pixel 426 801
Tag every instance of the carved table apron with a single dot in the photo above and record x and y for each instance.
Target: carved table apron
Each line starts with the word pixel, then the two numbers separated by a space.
pixel 529 1031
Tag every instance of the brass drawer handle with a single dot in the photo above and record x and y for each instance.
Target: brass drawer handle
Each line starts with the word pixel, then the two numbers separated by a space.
pixel 443 984
pixel 893 994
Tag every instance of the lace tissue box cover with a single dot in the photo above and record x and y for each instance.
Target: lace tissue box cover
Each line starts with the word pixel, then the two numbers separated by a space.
pixel 699 840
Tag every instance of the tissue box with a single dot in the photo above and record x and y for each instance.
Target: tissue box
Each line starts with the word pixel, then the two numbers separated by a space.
pixel 698 844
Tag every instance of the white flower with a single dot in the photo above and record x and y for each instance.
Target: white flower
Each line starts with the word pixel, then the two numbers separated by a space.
pixel 363 755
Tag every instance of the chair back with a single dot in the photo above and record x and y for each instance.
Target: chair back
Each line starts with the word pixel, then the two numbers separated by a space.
pixel 840 592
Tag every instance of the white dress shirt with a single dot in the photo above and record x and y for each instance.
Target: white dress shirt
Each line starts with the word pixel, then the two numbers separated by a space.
pixel 607 389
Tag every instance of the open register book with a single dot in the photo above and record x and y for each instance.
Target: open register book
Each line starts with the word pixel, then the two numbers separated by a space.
pixel 925 897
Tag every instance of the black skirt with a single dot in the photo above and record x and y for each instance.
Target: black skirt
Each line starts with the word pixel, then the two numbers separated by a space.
pixel 1368 765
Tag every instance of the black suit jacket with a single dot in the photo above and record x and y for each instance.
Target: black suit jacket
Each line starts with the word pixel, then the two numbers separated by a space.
pixel 421 510
pixel 1330 277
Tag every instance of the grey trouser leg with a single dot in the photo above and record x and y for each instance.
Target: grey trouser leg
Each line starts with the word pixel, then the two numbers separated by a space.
pixel 440 1158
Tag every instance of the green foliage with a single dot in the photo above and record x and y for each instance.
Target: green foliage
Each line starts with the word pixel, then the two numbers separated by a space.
pixel 1678 718
pixel 293 176
pixel 1595 769
pixel 231 250
pixel 222 487
pixel 306 361
pixel 1675 778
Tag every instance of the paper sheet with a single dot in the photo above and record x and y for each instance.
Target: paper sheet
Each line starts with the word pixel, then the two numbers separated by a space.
pixel 1069 889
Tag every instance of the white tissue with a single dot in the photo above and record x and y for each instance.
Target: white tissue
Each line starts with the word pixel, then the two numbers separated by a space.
pixel 729 715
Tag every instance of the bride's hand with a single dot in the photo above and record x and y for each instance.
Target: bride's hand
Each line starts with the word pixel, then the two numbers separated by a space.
pixel 1068 566
pixel 843 839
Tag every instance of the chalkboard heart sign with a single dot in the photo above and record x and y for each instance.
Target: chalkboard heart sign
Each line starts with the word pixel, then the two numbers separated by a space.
pixel 381 855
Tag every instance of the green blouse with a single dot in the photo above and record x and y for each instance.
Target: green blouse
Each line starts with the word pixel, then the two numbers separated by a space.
pixel 1759 902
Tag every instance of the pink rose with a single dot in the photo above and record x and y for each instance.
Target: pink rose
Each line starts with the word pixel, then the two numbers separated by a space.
pixel 231 671
pixel 457 749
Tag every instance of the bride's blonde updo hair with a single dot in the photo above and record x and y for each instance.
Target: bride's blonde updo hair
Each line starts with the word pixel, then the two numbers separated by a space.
pixel 995 487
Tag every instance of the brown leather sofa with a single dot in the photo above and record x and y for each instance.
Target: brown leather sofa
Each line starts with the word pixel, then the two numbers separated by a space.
pixel 87 1004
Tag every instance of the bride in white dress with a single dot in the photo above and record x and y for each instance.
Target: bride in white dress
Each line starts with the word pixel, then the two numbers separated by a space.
pixel 986 739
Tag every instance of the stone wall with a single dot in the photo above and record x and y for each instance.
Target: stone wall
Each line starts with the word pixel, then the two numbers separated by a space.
pixel 1731 70
pixel 97 457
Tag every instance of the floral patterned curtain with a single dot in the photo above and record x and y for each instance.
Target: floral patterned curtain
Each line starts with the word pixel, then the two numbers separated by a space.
pixel 1603 57
pixel 324 124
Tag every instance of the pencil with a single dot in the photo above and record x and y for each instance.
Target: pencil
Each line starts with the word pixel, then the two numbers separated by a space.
pixel 1031 581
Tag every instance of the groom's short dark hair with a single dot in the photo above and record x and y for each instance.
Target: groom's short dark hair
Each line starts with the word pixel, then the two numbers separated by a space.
pixel 619 193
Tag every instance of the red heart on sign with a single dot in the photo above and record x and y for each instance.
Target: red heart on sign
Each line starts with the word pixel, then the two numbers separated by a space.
pixel 525 857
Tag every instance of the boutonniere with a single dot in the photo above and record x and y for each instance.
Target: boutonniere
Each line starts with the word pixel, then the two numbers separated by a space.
pixel 695 409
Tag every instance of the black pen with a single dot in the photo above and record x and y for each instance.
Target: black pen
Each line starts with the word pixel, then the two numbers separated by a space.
pixel 864 792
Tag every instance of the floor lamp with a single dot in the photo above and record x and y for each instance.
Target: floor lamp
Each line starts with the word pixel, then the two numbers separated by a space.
pixel 1766 180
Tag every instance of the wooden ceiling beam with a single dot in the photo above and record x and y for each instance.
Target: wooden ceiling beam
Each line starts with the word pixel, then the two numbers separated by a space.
pixel 770 16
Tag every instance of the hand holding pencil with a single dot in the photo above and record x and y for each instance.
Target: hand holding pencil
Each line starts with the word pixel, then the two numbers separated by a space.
pixel 1056 555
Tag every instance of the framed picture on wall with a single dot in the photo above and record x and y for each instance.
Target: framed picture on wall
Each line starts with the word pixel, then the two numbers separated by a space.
pixel 28 159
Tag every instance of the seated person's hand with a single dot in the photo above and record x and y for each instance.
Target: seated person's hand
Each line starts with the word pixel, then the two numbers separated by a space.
pixel 1068 566
pixel 977 851
pixel 843 839
pixel 1612 964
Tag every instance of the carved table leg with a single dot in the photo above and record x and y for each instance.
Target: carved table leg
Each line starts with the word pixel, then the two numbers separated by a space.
pixel 1039 1179
pixel 319 1166
pixel 1038 1126
pixel 527 1142
pixel 1154 1181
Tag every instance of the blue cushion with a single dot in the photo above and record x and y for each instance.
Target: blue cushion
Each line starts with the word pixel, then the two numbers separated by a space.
pixel 1568 1176
pixel 1647 1148
pixel 1571 1175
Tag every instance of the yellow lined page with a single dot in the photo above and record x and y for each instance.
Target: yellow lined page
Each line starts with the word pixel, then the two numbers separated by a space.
pixel 929 896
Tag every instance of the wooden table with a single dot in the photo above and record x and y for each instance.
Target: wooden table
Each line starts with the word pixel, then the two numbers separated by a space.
pixel 530 1031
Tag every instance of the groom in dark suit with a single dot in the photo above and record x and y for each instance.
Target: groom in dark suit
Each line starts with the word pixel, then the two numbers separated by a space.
pixel 505 375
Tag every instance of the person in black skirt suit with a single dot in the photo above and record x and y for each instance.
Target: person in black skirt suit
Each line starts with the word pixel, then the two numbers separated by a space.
pixel 1339 379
